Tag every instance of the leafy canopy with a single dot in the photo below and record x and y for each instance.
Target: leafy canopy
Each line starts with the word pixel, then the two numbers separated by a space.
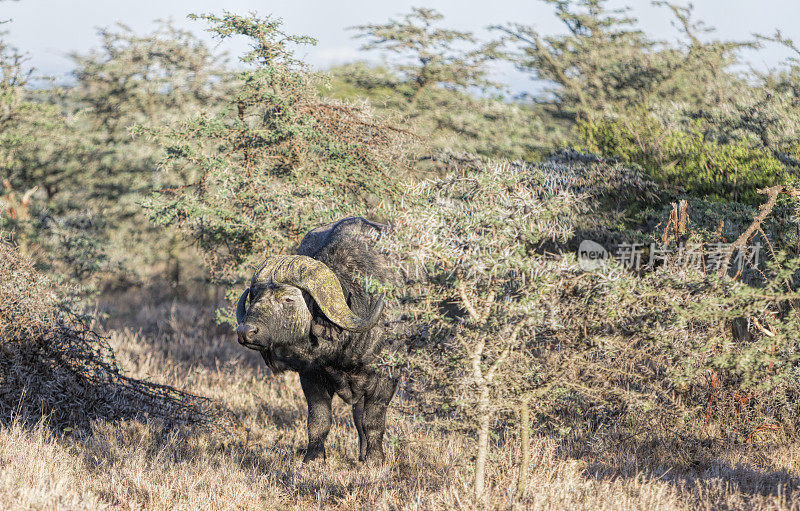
pixel 277 160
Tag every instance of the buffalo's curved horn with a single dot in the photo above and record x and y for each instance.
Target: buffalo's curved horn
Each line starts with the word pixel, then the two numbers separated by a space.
pixel 318 280
pixel 241 306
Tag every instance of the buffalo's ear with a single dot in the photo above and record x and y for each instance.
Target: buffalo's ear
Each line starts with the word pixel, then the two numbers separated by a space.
pixel 373 319
pixel 241 306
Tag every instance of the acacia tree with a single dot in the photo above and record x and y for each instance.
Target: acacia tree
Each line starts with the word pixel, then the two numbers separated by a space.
pixel 497 325
pixel 147 80
pixel 428 55
pixel 38 147
pixel 764 115
pixel 83 132
pixel 276 160
pixel 72 145
pixel 678 110
pixel 605 63
pixel 476 234
pixel 431 76
pixel 151 80
pixel 31 130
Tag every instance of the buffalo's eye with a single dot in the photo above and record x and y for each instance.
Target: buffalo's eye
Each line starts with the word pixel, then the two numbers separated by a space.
pixel 287 299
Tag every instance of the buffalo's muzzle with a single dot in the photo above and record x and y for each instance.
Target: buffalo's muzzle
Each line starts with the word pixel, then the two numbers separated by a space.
pixel 246 333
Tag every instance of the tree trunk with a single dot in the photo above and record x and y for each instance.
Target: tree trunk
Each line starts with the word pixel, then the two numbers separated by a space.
pixel 525 447
pixel 483 441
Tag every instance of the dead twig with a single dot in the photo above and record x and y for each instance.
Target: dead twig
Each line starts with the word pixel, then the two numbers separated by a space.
pixel 763 211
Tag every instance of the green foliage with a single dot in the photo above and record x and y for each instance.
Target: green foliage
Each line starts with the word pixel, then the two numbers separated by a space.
pixel 150 80
pixel 684 156
pixel 431 81
pixel 476 233
pixel 145 79
pixel 604 63
pixel 40 154
pixel 74 175
pixel 755 373
pixel 430 55
pixel 276 160
pixel 34 137
pixel 596 353
pixel 448 119
pixel 679 111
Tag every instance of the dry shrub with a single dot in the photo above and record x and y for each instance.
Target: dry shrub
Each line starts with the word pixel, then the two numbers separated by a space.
pixel 53 364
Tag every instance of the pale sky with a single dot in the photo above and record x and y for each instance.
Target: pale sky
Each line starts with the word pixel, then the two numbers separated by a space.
pixel 48 30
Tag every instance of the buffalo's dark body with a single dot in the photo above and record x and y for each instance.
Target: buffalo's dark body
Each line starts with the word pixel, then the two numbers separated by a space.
pixel 345 363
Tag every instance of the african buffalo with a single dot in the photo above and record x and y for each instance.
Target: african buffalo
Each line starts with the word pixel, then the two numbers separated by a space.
pixel 311 313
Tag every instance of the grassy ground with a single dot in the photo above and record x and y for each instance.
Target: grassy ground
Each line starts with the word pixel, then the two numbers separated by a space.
pixel 255 463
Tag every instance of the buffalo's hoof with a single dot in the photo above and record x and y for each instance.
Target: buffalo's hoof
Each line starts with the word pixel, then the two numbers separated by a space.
pixel 314 454
pixel 374 457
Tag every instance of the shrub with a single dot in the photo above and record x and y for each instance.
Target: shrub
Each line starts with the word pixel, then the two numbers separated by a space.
pixel 277 160
pixel 501 325
pixel 476 234
pixel 54 366
pixel 683 156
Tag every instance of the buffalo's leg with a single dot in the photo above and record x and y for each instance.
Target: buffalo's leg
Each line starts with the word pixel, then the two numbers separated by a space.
pixel 358 420
pixel 375 418
pixel 318 398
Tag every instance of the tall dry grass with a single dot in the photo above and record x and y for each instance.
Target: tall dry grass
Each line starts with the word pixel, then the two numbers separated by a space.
pixel 255 461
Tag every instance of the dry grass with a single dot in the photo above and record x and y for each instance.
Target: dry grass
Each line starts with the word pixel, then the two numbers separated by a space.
pixel 256 463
